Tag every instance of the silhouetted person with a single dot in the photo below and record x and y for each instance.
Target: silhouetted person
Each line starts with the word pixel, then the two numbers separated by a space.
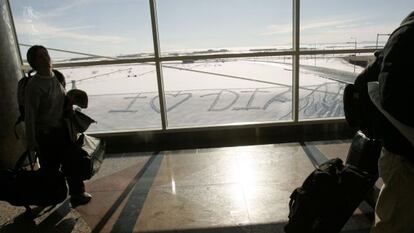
pixel 395 206
pixel 45 129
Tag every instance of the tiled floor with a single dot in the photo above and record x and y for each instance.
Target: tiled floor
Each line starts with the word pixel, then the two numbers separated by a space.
pixel 234 189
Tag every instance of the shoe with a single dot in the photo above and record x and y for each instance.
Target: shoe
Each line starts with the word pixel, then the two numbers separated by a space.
pixel 80 199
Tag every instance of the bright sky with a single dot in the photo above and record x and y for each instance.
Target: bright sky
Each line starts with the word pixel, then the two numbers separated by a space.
pixel 114 27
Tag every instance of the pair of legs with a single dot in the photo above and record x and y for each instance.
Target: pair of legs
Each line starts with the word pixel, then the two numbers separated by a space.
pixel 394 211
pixel 55 152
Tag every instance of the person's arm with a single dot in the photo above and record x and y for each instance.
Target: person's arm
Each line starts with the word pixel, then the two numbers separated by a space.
pixel 370 73
pixel 396 77
pixel 31 109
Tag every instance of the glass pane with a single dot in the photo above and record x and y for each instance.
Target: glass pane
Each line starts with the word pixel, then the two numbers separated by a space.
pixel 121 97
pixel 322 81
pixel 202 27
pixel 327 24
pixel 110 29
pixel 226 91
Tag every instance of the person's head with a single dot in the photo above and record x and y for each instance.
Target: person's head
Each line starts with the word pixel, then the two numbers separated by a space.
pixel 409 17
pixel 38 58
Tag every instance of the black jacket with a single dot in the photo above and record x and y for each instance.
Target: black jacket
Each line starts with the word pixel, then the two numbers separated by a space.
pixel 396 79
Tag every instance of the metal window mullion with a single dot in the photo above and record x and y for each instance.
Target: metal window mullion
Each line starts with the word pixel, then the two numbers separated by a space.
pixel 160 83
pixel 296 57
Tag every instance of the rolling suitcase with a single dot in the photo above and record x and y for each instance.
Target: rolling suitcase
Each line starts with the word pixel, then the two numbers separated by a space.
pixel 332 192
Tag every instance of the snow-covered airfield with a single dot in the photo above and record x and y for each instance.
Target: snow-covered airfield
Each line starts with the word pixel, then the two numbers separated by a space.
pixel 212 92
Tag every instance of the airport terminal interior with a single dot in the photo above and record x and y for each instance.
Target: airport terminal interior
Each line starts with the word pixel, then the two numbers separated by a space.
pixel 225 189
pixel 213 112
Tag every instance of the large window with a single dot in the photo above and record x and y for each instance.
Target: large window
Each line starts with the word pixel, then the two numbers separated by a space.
pixel 165 64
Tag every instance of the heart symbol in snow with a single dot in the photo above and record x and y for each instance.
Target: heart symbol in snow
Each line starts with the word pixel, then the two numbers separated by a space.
pixel 181 97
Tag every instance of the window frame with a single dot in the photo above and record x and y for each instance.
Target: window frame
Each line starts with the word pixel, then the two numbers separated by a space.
pixel 158 58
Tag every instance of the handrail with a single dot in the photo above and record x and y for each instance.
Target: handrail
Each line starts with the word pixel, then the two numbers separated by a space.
pixel 209 56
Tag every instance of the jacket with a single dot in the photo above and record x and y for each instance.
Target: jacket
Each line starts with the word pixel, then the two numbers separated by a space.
pixel 396 80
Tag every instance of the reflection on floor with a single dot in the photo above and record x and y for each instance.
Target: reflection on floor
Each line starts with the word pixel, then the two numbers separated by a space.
pixel 233 189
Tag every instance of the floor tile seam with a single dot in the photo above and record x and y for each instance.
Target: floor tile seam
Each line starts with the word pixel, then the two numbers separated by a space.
pixel 138 195
pixel 126 192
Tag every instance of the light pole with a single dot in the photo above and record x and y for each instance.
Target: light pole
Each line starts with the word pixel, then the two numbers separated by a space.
pixel 355 42
pixel 355 47
pixel 378 35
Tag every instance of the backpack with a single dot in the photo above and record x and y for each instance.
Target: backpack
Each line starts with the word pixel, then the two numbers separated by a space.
pixel 358 108
pixel 21 89
pixel 328 197
pixel 41 187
